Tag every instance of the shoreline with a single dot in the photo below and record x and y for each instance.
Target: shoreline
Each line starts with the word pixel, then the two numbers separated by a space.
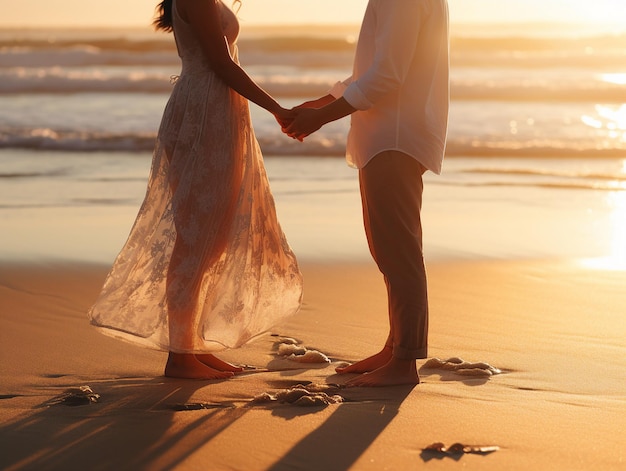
pixel 73 208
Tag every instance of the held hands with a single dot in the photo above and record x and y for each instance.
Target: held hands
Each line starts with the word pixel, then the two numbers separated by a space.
pixel 298 122
pixel 284 117
pixel 312 115
pixel 304 121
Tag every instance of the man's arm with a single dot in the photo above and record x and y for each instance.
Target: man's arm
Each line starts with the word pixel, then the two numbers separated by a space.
pixel 318 103
pixel 309 120
pixel 397 32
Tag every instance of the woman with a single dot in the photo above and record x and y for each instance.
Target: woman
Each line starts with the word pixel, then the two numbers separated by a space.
pixel 206 266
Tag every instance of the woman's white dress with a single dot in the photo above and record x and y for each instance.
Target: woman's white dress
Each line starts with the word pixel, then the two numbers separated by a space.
pixel 206 265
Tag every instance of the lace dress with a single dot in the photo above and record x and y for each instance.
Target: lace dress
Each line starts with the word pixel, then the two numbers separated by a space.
pixel 206 265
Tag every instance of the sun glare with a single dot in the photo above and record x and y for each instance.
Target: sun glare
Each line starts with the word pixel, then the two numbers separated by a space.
pixel 617 79
pixel 610 121
pixel 600 11
pixel 615 258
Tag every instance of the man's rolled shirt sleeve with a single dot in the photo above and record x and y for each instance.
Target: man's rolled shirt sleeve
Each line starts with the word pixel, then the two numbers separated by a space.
pixel 338 89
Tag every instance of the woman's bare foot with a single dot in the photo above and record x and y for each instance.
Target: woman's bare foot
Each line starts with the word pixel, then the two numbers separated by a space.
pixel 394 373
pixel 187 366
pixel 213 362
pixel 369 364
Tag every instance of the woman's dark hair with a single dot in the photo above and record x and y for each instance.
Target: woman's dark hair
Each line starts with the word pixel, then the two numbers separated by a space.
pixel 163 21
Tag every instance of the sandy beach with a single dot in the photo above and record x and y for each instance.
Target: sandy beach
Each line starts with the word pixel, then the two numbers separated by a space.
pixel 523 238
pixel 555 330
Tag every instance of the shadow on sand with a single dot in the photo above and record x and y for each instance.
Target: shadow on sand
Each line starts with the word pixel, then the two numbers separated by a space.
pixel 132 427
pixel 136 411
pixel 353 426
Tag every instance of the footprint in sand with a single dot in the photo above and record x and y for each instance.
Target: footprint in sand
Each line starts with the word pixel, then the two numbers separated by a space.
pixel 291 350
pixel 304 396
pixel 462 367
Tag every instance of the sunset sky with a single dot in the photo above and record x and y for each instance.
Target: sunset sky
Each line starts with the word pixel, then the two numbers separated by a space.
pixel 139 12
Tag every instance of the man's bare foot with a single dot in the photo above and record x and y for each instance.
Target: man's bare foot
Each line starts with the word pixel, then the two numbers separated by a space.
pixel 395 372
pixel 213 362
pixel 369 364
pixel 187 366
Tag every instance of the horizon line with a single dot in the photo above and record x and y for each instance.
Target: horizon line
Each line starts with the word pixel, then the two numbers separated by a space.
pixel 539 23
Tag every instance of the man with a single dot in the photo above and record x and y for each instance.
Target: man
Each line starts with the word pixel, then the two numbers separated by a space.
pixel 398 98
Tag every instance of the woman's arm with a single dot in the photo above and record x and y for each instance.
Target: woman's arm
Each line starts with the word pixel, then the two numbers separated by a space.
pixel 204 18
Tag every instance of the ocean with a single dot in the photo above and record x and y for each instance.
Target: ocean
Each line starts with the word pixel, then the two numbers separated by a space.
pixel 534 109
